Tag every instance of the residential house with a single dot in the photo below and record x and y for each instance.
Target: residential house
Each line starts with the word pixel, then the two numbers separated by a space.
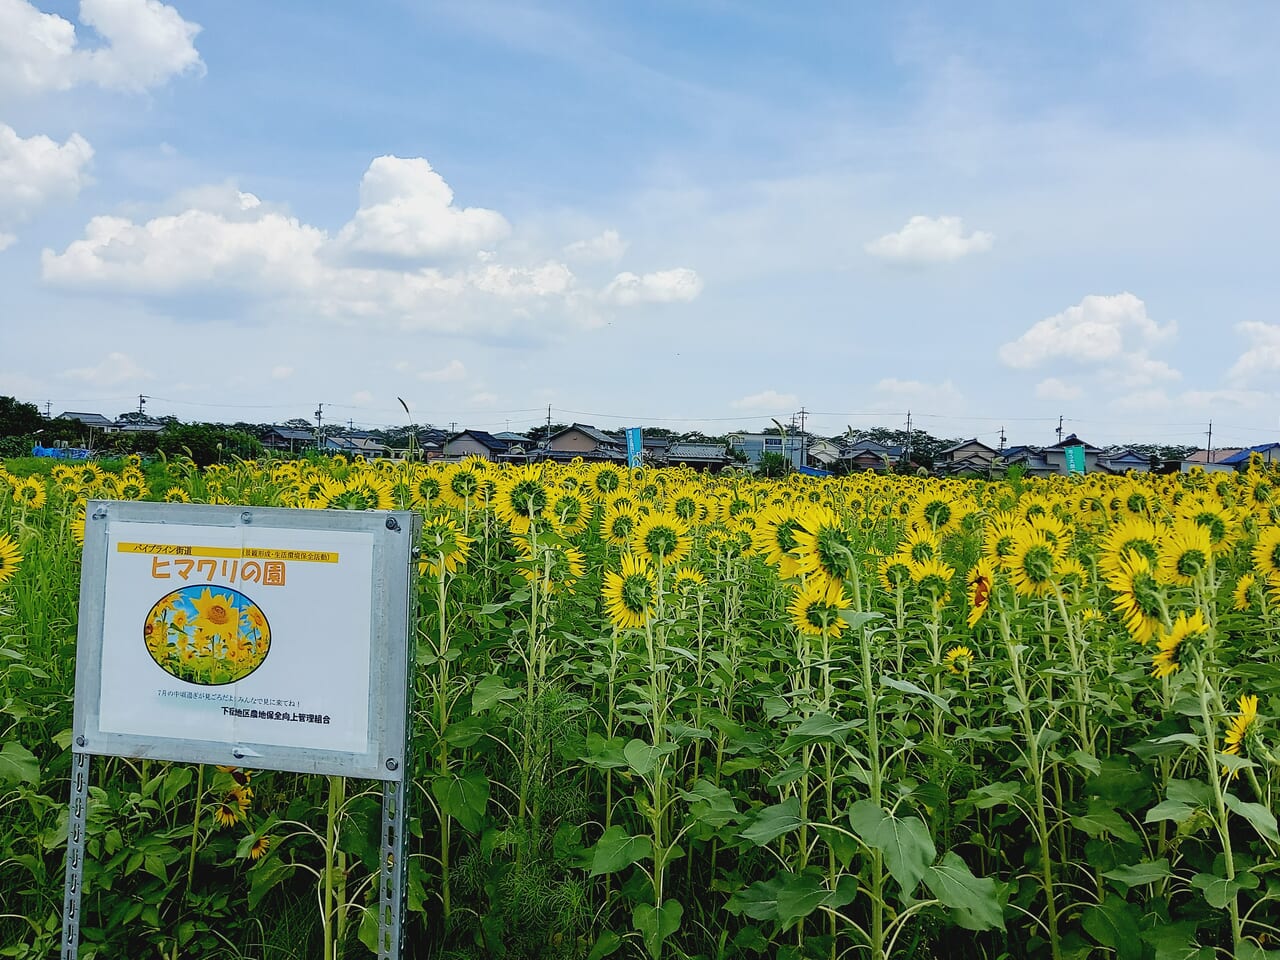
pixel 288 439
pixel 709 457
pixel 352 445
pixel 95 420
pixel 870 455
pixel 822 453
pixel 1057 454
pixel 1269 452
pixel 968 456
pixel 756 445
pixel 1031 459
pixel 475 443
pixel 1216 455
pixel 585 441
pixel 1123 460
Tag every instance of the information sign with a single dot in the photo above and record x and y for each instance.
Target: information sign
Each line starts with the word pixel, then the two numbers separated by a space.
pixel 635 446
pixel 1075 458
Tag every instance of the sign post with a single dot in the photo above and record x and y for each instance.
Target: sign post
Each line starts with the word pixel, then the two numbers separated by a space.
pixel 247 636
pixel 1075 458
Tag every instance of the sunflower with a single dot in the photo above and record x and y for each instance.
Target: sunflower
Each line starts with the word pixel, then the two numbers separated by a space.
pixel 1168 657
pixel 562 564
pixel 605 479
pixel 687 579
pixel 522 498
pixel 30 492
pixel 364 491
pixel 922 544
pixel 10 557
pixel 1131 535
pixel 1266 554
pixel 1032 562
pixel 631 596
pixel 663 538
pixel 980 581
pixel 176 495
pixel 815 608
pixel 958 660
pixel 686 503
pixel 1241 594
pixel 1208 511
pixel 1137 597
pixel 823 545
pixel 443 543
pixel 774 537
pixel 217 614
pixel 998 539
pixel 1185 553
pixel 569 512
pixel 895 571
pixel 427 488
pixel 1241 724
pixel 619 524
pixel 935 513
pixel 259 847
pixel 932 578
pixel 462 483
pixel 227 811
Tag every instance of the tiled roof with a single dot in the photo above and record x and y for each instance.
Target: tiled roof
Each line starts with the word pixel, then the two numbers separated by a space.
pixel 696 451
pixel 88 419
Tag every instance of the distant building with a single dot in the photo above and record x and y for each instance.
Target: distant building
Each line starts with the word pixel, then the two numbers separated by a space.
pixel 475 443
pixel 1057 454
pixel 286 439
pixel 1123 460
pixel 95 420
pixel 967 456
pixel 1269 452
pixel 710 457
pixel 756 445
pixel 352 446
pixel 585 441
pixel 863 455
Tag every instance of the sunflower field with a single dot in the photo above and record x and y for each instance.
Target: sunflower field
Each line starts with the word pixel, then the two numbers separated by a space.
pixel 659 713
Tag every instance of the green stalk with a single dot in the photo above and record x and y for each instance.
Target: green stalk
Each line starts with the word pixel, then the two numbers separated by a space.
pixel 1220 808
pixel 874 774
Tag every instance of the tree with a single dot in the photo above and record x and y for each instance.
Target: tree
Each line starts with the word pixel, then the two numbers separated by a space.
pixel 208 442
pixel 19 419
pixel 773 465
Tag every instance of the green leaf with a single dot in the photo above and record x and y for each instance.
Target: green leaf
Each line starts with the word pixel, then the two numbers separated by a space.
pixel 995 795
pixel 799 896
pixel 859 618
pixel 18 765
pixel 710 804
pixel 1218 891
pixel 657 923
pixel 1086 762
pixel 1140 874
pixel 175 781
pixel 817 728
pixel 617 849
pixel 489 691
pixel 1248 950
pixel 905 843
pixel 1101 820
pixel 1261 818
pixel 606 945
pixel 972 899
pixel 1174 810
pixel 1113 925
pixel 772 822
pixel 643 757
pixel 265 876
pixel 1176 941
pixel 463 798
pixel 758 901
pixel 907 687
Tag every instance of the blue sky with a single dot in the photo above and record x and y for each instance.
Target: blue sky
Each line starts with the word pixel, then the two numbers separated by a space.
pixel 696 214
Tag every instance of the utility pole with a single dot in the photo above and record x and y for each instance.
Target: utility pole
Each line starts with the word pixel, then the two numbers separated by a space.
pixel 351 425
pixel 142 402
pixel 1002 440
pixel 48 409
pixel 804 439
pixel 319 415
pixel 1209 451
pixel 908 436
pixel 1059 428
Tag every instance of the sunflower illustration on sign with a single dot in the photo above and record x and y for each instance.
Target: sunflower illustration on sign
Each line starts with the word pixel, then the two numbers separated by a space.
pixel 207 635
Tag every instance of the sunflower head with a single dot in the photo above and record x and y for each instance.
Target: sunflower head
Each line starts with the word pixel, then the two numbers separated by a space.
pixel 631 594
pixel 958 660
pixel 1174 644
pixel 815 608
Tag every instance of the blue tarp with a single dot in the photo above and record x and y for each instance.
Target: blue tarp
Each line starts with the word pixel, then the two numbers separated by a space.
pixel 61 453
pixel 813 472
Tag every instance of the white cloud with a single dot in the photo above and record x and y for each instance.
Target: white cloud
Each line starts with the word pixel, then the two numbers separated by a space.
pixel 767 400
pixel 1055 389
pixel 1263 355
pixel 406 210
pixel 146 43
pixel 925 398
pixel 664 286
pixel 281 372
pixel 230 242
pixel 606 247
pixel 1139 370
pixel 1210 399
pixel 930 240
pixel 482 399
pixel 362 397
pixel 37 170
pixel 6 241
pixel 1099 329
pixel 114 369
pixel 451 372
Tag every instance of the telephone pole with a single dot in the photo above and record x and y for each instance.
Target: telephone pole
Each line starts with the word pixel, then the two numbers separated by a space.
pixel 1209 450
pixel 1002 440
pixel 908 436
pixel 142 402
pixel 804 439
pixel 1059 428
pixel 319 416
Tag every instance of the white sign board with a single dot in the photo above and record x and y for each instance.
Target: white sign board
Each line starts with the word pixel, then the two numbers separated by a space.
pixel 249 636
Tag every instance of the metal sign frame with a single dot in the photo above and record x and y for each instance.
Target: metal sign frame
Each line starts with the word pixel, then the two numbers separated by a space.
pixel 393 536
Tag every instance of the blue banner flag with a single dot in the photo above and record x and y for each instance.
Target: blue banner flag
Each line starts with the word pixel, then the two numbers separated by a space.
pixel 635 446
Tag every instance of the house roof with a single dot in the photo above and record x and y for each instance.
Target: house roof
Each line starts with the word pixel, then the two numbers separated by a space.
pixel 509 437
pixel 487 440
pixel 1219 454
pixel 287 433
pixel 972 441
pixel 88 419
pixel 1243 455
pixel 870 446
pixel 1071 440
pixel 585 428
pixel 696 451
pixel 356 444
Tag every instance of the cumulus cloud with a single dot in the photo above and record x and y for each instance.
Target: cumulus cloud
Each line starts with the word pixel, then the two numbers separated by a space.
pixel 896 395
pixel 606 247
pixel 146 43
pixel 767 400
pixel 36 170
pixel 664 286
pixel 1055 389
pixel 6 241
pixel 114 369
pixel 1098 330
pixel 226 240
pixel 1263 355
pixel 451 372
pixel 930 240
pixel 406 211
